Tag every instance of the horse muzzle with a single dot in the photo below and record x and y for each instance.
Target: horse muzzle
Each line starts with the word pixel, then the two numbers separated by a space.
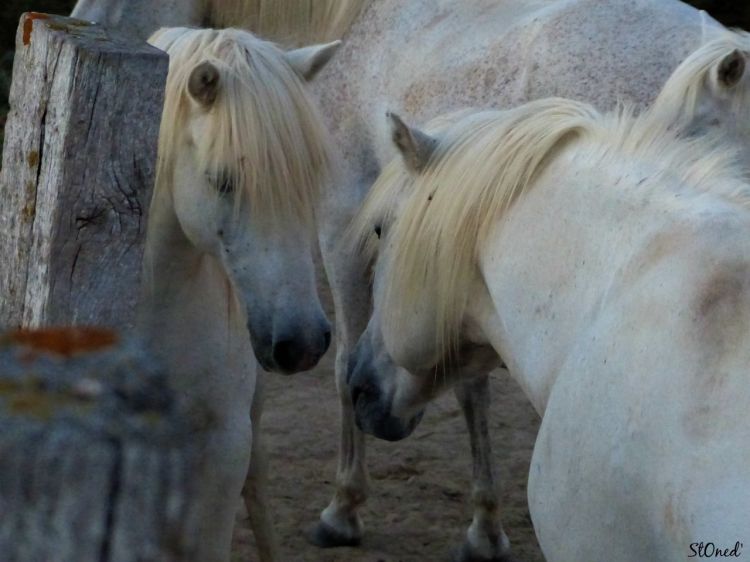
pixel 293 351
pixel 372 408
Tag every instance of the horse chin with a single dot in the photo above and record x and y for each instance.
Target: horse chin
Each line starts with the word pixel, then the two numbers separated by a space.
pixel 376 420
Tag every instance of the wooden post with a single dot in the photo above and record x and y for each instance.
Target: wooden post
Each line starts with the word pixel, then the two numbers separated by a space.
pixel 97 457
pixel 77 175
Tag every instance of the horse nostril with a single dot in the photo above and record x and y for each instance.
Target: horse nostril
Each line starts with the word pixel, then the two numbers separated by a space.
pixel 326 340
pixel 294 355
pixel 287 354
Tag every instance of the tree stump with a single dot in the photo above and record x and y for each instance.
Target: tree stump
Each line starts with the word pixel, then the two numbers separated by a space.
pixel 78 172
pixel 97 457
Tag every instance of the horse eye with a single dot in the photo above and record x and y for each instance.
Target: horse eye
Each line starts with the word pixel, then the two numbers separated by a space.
pixel 378 231
pixel 223 183
pixel 226 186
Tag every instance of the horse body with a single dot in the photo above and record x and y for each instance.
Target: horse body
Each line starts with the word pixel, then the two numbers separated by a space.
pixel 425 58
pixel 615 288
pixel 642 378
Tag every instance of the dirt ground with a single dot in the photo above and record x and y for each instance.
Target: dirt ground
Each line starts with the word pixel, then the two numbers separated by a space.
pixel 418 508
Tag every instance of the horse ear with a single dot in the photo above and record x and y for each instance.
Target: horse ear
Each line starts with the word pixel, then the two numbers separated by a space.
pixel 415 146
pixel 204 83
pixel 730 70
pixel 308 61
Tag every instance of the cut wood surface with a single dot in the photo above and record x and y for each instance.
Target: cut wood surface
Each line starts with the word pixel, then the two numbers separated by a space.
pixel 97 457
pixel 77 175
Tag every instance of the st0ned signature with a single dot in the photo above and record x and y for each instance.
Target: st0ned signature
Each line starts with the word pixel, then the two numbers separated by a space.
pixel 710 550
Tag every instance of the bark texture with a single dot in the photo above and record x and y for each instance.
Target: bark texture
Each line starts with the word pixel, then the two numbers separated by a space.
pixel 77 175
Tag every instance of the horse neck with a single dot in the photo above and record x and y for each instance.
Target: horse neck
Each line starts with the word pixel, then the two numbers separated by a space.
pixel 581 238
pixel 191 317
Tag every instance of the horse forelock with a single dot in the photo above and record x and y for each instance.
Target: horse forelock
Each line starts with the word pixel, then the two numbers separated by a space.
pixel 391 186
pixel 262 132
pixel 486 162
pixel 679 100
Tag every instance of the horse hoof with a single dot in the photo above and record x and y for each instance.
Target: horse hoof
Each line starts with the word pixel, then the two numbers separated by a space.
pixel 466 554
pixel 324 536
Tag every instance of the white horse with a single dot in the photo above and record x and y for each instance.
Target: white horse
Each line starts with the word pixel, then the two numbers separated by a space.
pixel 229 279
pixel 708 93
pixel 605 259
pixel 287 21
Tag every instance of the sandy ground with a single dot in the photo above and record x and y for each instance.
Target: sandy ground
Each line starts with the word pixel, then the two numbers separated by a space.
pixel 418 508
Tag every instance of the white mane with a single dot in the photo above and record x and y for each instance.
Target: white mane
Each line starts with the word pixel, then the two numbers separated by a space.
pixel 487 161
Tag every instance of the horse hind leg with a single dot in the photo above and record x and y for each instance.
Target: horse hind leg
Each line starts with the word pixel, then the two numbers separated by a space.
pixel 485 539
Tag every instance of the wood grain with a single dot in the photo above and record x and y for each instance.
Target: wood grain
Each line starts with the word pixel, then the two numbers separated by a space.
pixel 78 170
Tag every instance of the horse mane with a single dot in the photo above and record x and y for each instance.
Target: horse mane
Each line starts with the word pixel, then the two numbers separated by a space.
pixel 290 22
pixel 485 162
pixel 263 132
pixel 679 99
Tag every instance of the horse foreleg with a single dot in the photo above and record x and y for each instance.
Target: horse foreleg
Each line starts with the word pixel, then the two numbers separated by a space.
pixel 485 539
pixel 256 483
pixel 340 523
pixel 224 463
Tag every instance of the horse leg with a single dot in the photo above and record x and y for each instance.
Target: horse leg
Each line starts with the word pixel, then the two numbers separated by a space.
pixel 224 463
pixel 485 539
pixel 340 523
pixel 256 483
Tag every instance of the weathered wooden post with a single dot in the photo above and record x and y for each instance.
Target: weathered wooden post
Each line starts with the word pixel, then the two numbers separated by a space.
pixel 97 457
pixel 78 170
